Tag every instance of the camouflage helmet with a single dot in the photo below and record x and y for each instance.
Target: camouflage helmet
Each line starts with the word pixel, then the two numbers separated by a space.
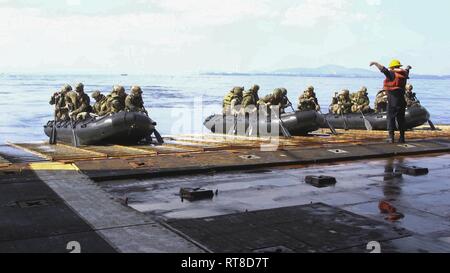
pixel 118 89
pixel 309 90
pixel 66 88
pixel 344 92
pixel 254 88
pixel 238 90
pixel 283 91
pixel 136 90
pixel 95 94
pixel 79 87
pixel 363 89
pixel 409 87
pixel 277 92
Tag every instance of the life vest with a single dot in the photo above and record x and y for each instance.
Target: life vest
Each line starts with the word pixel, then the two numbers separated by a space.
pixel 399 81
pixel 249 98
pixel 229 97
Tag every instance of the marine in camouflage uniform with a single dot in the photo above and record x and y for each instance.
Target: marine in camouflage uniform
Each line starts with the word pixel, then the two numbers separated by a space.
pixel 81 106
pixel 232 101
pixel 250 98
pixel 285 103
pixel 134 102
pixel 100 107
pixel 360 101
pixel 116 100
pixel 410 96
pixel 381 100
pixel 274 99
pixel 308 101
pixel 58 99
pixel 342 104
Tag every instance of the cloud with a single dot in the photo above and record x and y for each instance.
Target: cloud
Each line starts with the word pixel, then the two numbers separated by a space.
pixel 73 2
pixel 176 36
pixel 311 12
pixel 38 40
pixel 214 12
pixel 373 2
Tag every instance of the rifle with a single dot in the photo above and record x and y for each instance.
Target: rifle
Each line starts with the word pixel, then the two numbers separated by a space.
pixel 290 104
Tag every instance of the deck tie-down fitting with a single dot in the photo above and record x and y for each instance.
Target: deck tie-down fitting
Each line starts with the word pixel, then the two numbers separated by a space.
pixel 338 151
pixel 407 146
pixel 135 164
pixel 249 157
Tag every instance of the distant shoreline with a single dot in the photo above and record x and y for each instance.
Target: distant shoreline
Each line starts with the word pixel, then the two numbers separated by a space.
pixel 425 77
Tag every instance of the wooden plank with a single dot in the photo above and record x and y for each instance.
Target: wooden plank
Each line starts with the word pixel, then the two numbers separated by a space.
pixel 87 150
pixel 119 151
pixel 200 143
pixel 26 148
pixel 165 149
pixel 191 163
pixel 58 152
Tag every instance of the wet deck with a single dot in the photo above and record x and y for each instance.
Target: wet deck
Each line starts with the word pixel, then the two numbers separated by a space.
pixel 136 206
pixel 423 200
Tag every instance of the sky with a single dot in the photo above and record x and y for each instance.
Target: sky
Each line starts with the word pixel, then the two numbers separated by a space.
pixel 191 36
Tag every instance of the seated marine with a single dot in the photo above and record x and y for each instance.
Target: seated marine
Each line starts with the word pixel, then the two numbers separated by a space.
pixel 100 106
pixel 232 101
pixel 116 100
pixel 250 98
pixel 134 101
pixel 308 101
pixel 342 104
pixel 58 99
pixel 381 100
pixel 81 103
pixel 285 103
pixel 410 96
pixel 360 101
pixel 273 100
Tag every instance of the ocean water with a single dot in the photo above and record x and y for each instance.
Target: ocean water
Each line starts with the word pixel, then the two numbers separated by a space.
pixel 179 104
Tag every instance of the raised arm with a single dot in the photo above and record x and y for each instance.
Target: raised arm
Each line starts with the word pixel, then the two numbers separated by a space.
pixel 379 66
pixel 383 70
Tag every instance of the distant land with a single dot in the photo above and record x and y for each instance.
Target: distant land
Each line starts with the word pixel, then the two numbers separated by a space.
pixel 323 71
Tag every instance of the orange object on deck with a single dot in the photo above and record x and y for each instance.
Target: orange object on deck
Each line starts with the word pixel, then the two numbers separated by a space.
pixel 386 207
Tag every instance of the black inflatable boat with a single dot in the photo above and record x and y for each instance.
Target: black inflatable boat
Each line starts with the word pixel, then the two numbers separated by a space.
pixel 297 123
pixel 118 128
pixel 415 116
